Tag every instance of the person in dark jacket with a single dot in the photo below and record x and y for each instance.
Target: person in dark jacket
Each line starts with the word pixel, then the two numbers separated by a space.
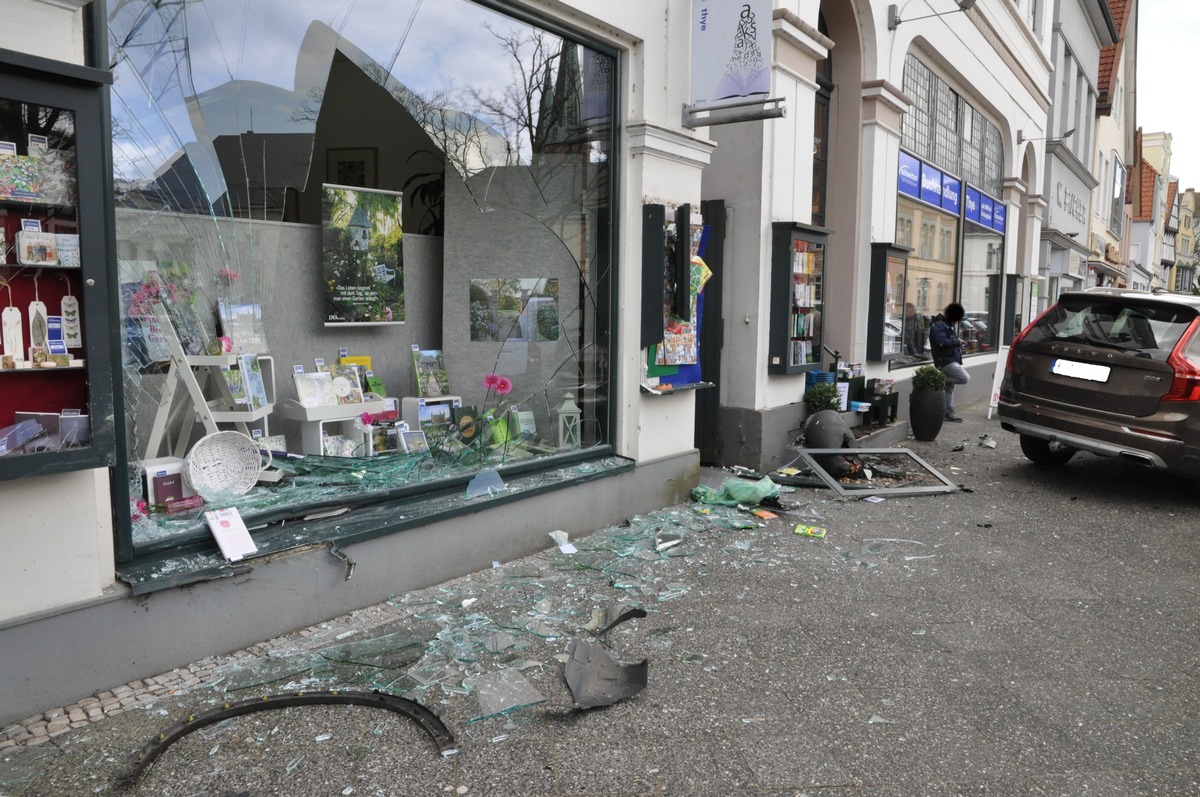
pixel 946 347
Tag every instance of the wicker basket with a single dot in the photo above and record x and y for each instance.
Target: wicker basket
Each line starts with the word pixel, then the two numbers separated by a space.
pixel 223 464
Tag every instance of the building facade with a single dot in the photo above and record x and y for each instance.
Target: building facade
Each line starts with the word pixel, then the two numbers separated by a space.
pixel 520 187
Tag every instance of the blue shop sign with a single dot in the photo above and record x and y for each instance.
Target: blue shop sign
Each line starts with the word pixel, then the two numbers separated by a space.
pixel 909 180
pixel 951 194
pixel 985 210
pixel 972 205
pixel 998 214
pixel 931 185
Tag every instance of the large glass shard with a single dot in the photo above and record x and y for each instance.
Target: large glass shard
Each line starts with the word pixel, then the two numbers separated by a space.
pixel 503 691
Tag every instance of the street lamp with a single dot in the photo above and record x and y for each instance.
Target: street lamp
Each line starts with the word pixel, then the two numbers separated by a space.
pixel 894 13
pixel 1021 137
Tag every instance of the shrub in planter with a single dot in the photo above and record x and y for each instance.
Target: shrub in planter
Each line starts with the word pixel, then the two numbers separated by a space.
pixel 822 396
pixel 928 377
pixel 927 404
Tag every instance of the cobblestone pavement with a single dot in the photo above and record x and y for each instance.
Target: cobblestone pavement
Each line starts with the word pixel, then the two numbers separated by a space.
pixel 1033 632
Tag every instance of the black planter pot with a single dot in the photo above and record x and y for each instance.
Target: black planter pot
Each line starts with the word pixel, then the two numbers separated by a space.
pixel 926 413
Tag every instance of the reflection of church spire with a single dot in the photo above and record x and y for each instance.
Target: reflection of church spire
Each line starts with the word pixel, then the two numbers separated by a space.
pixel 559 129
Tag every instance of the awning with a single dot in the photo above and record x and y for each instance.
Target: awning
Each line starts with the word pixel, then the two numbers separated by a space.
pixel 1107 268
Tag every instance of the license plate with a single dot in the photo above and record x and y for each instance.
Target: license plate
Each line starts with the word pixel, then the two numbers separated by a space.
pixel 1089 371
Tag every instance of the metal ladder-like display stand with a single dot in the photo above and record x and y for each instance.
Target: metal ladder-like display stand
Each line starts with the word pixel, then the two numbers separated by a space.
pixel 196 372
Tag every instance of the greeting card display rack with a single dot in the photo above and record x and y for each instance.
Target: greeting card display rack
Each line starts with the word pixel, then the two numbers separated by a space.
pixel 200 375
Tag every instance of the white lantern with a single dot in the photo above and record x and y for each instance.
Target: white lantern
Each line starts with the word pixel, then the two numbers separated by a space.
pixel 568 424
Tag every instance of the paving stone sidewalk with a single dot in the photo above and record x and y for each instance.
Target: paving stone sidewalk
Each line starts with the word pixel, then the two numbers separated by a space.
pixel 1033 633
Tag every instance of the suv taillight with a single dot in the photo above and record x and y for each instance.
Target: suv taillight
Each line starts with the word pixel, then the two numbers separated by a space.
pixel 1012 349
pixel 1186 384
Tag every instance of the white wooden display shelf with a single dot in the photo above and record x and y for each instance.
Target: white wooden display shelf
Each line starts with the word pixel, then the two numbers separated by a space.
pixel 294 410
pixel 313 421
pixel 198 373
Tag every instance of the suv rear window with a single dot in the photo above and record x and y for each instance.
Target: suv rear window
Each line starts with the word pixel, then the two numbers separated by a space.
pixel 1147 330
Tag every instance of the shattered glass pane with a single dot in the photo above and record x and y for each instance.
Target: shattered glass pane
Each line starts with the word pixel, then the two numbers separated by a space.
pixel 489 136
pixel 502 691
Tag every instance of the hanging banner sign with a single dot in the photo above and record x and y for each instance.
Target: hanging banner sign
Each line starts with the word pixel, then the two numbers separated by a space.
pixel 931 185
pixel 731 49
pixel 951 193
pixel 985 210
pixel 972 205
pixel 909 180
pixel 998 216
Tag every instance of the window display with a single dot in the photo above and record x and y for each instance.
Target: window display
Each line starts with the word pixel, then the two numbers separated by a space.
pixel 43 390
pixel 427 186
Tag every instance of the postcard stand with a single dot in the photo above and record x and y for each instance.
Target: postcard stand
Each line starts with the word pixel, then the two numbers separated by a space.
pixel 197 373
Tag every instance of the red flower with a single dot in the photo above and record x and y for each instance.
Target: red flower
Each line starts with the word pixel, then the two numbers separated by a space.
pixel 503 386
pixel 491 381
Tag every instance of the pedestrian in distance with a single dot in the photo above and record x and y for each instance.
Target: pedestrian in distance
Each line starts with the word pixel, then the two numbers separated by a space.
pixel 947 349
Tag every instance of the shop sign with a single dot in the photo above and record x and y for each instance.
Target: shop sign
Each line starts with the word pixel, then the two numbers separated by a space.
pixel 999 212
pixel 951 191
pixel 985 210
pixel 731 49
pixel 972 205
pixel 1075 263
pixel 931 185
pixel 909 180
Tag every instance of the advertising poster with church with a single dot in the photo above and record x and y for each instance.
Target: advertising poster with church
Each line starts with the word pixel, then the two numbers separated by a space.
pixel 362 256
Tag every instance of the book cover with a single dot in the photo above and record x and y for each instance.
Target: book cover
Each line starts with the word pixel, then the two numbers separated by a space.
pixel 375 385
pixel 436 421
pixel 363 360
pixel 37 248
pixel 243 325
pixel 466 423
pixel 236 381
pixel 345 383
pixel 168 487
pixel 414 442
pixel 430 369
pixel 256 389
pixel 231 533
pixel 275 443
pixel 336 445
pixel 68 249
pixel 385 439
pixel 522 422
pixel 315 389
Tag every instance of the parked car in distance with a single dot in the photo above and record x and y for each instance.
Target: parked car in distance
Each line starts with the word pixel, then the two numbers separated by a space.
pixel 1110 371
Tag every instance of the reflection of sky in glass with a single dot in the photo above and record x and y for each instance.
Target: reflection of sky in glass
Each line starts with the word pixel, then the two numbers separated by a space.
pixel 242 54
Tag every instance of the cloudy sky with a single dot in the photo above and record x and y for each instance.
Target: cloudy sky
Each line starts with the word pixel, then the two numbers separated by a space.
pixel 1167 38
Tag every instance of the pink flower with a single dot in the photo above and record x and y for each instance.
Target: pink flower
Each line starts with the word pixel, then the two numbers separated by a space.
pixel 226 343
pixel 492 381
pixel 367 418
pixel 387 311
pixel 503 386
pixel 228 275
pixel 141 508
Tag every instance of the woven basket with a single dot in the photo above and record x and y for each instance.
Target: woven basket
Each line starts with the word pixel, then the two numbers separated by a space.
pixel 222 464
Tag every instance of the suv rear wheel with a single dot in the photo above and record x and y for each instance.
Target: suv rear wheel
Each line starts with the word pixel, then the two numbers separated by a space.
pixel 1045 452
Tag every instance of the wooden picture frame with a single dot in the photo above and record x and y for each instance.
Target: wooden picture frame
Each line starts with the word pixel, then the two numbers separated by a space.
pixel 357 167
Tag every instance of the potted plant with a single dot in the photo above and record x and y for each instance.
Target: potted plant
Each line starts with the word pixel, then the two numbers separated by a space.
pixel 822 396
pixel 927 404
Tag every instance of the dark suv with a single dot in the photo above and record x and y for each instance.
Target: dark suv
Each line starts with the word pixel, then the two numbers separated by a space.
pixel 1114 372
